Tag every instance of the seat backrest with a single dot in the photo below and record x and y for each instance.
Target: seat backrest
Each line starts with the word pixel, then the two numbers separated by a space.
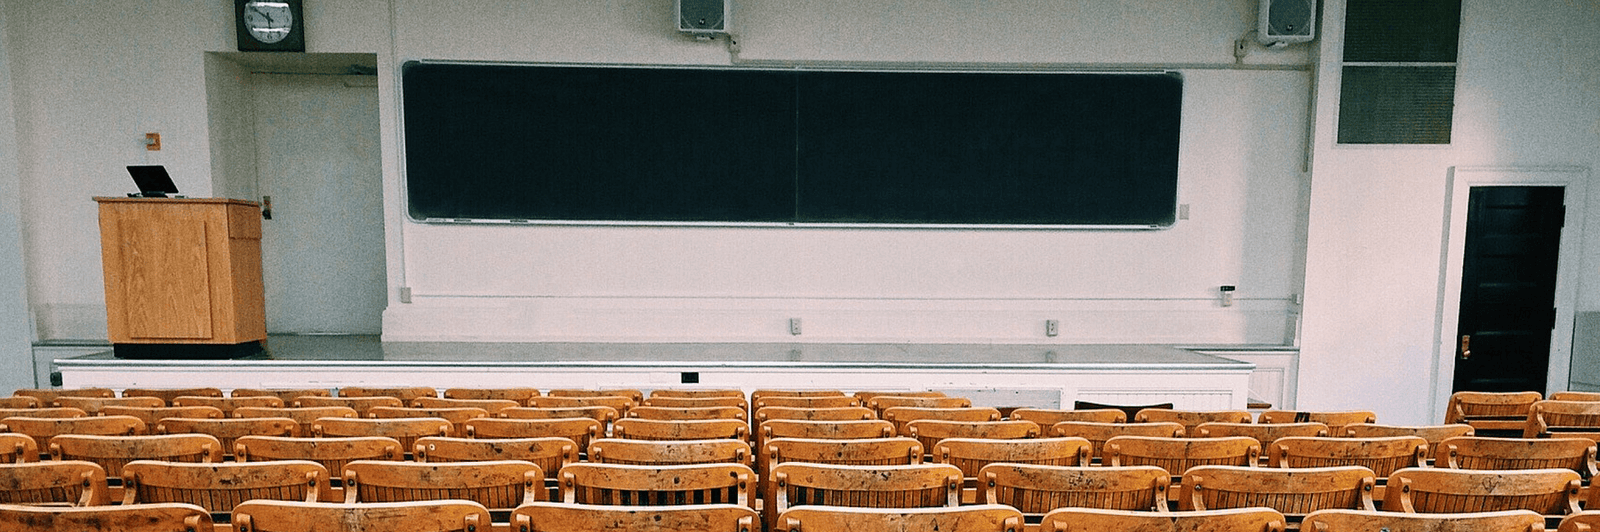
pixel 405 430
pixel 421 516
pixel 634 395
pixel 873 486
pixel 824 401
pixel 1382 455
pixel 1574 396
pixel 1335 420
pixel 48 396
pixel 694 429
pixel 18 448
pixel 492 406
pixel 52 412
pixel 676 413
pixel 884 402
pixel 616 402
pixel 229 430
pixel 1491 413
pixel 457 416
pixel 798 413
pixel 221 486
pixel 1264 434
pixel 1587 521
pixel 1362 521
pixel 332 453
pixel 20 401
pixel 979 518
pixel 1098 433
pixel 167 517
pixel 1177 455
pixel 670 401
pixel 972 454
pixel 1435 490
pixel 168 394
pixel 561 517
pixel 1574 418
pixel 1433 433
pixel 1471 452
pixel 826 430
pixel 520 395
pixel 550 454
pixel 288 395
pixel 930 431
pixel 873 451
pixel 581 430
pixel 1037 489
pixel 1046 417
pixel 901 415
pixel 70 482
pixel 1292 491
pixel 1231 520
pixel 42 429
pixel 360 404
pixel 228 404
pixel 501 484
pixel 151 415
pixel 302 416
pixel 1190 419
pixel 112 452
pixel 658 453
pixel 93 405
pixel 758 394
pixel 866 395
pixel 638 485
pixel 404 393
pixel 604 414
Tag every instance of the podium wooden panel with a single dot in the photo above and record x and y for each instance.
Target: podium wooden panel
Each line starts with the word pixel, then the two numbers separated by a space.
pixel 183 276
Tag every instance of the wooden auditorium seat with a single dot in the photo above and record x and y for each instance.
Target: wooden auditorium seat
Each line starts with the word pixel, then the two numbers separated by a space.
pixel 604 414
pixel 219 487
pixel 1434 490
pixel 1191 419
pixel 1471 452
pixel 1232 520
pixel 229 430
pixel 884 402
pixel 168 394
pixel 42 429
pixel 113 452
pixel 492 406
pixel 757 395
pixel 288 395
pixel 1046 417
pixel 54 482
pixel 47 396
pixel 404 430
pixel 151 415
pixel 360 404
pixel 20 401
pixel 980 518
pixel 425 516
pixel 1585 521
pixel 167 517
pixel 616 402
pixel 580 430
pixel 680 452
pixel 840 413
pixel 1491 413
pixel 825 401
pixel 866 395
pixel 495 484
pixel 520 395
pixel 94 405
pixel 872 486
pixel 332 453
pixel 1264 434
pixel 901 415
pixel 867 452
pixel 457 416
pixel 228 404
pixel 930 431
pixel 674 413
pixel 696 429
pixel 667 485
pixel 634 395
pixel 1037 489
pixel 561 517
pixel 1556 419
pixel 52 412
pixel 1336 421
pixel 550 454
pixel 303 416
pixel 1382 455
pixel 1433 433
pixel 1293 492
pixel 18 448
pixel 1177 455
pixel 1574 396
pixel 1098 433
pixel 404 393
pixel 1363 521
pixel 971 455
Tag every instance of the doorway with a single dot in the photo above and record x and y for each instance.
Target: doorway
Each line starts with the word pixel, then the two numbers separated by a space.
pixel 1508 282
pixel 318 159
pixel 1570 182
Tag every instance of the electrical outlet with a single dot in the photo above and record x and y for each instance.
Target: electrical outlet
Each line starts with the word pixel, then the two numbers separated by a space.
pixel 794 326
pixel 1052 327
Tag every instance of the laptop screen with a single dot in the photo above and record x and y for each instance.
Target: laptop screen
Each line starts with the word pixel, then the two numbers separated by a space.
pixel 153 180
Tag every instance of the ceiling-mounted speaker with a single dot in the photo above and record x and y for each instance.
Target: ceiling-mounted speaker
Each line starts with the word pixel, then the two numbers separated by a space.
pixel 1287 21
pixel 703 17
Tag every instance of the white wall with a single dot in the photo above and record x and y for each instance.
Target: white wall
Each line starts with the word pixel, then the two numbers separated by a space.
pixel 16 332
pixel 1242 150
pixel 1527 95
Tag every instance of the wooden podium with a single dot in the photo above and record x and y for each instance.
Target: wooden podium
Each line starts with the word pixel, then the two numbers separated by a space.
pixel 183 277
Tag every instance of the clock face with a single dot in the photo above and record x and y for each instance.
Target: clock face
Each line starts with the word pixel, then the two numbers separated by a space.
pixel 268 22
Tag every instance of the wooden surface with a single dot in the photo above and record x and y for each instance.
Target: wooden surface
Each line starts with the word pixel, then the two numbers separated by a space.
pixel 167 517
pixel 1358 521
pixel 1094 520
pixel 559 517
pixel 294 516
pixel 182 271
pixel 1037 489
pixel 986 518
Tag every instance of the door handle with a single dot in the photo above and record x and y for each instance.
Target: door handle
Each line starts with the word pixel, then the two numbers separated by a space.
pixel 1466 346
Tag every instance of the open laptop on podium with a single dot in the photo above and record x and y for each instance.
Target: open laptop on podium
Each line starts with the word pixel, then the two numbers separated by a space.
pixel 153 181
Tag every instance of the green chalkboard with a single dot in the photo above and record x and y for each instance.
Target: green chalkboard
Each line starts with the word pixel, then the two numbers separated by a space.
pixel 692 145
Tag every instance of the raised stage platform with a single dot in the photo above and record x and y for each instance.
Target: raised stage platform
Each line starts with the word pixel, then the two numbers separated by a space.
pixel 1043 376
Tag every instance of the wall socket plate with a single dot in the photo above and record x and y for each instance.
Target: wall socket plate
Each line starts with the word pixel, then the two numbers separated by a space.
pixel 794 326
pixel 1052 327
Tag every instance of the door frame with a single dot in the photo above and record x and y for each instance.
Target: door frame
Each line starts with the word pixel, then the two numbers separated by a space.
pixel 1460 182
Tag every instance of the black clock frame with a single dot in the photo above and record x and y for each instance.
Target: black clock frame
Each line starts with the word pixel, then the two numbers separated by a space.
pixel 295 42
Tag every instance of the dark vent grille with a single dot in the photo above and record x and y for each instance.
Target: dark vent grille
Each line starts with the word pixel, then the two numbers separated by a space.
pixel 1396 104
pixel 1418 31
pixel 1398 82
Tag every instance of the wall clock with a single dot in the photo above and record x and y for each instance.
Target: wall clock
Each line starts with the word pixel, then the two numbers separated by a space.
pixel 270 25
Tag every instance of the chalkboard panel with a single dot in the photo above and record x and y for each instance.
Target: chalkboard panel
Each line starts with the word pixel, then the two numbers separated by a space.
pixel 647 144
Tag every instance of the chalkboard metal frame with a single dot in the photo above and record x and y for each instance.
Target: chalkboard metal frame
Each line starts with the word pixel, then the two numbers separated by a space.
pixel 1168 208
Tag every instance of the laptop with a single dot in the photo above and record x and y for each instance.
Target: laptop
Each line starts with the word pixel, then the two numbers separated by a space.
pixel 153 181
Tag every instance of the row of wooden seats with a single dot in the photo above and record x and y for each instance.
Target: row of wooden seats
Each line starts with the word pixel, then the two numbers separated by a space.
pixel 1528 414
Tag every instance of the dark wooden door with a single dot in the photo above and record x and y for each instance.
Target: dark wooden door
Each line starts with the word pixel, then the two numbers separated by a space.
pixel 1508 282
